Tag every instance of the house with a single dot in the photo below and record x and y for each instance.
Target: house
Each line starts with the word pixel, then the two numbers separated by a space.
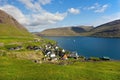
pixel 33 48
pixel 53 57
pixel 63 51
pixel 56 47
pixel 65 57
pixel 16 48
pixel 60 53
pixel 48 53
pixel 74 55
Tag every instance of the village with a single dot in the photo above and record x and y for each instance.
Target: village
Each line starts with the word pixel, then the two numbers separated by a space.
pixel 52 53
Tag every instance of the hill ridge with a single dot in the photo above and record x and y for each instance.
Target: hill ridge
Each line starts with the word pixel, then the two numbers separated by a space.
pixel 10 26
pixel 110 29
pixel 65 31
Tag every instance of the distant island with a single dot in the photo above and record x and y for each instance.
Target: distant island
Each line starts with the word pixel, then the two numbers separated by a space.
pixel 110 29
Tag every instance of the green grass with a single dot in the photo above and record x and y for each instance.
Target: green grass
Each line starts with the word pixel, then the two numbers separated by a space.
pixel 11 30
pixel 7 39
pixel 9 42
pixel 16 69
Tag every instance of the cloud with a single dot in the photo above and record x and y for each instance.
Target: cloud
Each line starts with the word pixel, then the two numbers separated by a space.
pixel 34 20
pixel 47 18
pixel 34 5
pixel 97 8
pixel 93 7
pixel 107 18
pixel 74 11
pixel 101 9
pixel 44 2
pixel 31 5
pixel 15 12
pixel 38 18
pixel 41 17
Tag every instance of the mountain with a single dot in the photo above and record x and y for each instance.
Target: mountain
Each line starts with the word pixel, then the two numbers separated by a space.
pixel 65 31
pixel 110 29
pixel 10 26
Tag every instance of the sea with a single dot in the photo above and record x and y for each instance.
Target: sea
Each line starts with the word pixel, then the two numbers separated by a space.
pixel 90 46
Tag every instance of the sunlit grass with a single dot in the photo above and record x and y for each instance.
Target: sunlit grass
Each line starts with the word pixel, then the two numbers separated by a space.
pixel 15 69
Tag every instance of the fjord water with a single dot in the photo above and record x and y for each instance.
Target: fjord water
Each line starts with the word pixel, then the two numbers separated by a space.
pixel 91 46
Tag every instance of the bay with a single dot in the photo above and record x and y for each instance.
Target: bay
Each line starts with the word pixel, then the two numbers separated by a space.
pixel 90 46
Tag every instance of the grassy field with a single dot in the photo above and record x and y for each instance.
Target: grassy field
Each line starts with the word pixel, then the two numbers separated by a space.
pixel 11 30
pixel 6 41
pixel 16 69
pixel 19 65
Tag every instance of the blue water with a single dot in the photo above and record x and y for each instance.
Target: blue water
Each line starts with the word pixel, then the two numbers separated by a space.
pixel 90 46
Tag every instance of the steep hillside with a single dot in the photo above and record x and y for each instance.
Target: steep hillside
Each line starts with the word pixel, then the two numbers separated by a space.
pixel 10 27
pixel 111 29
pixel 66 31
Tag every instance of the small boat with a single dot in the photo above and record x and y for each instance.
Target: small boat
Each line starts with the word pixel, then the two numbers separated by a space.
pixel 105 58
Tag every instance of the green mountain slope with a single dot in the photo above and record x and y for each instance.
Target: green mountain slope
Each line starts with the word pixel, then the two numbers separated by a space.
pixel 111 29
pixel 10 27
pixel 66 31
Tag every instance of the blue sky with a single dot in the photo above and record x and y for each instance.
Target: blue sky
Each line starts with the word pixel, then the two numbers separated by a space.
pixel 38 15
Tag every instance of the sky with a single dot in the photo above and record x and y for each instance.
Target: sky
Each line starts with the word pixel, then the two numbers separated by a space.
pixel 38 15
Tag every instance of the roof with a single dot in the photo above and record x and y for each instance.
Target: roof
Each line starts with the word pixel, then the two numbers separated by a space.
pixel 52 55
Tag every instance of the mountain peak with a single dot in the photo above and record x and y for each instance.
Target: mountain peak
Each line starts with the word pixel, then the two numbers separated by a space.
pixel 10 26
pixel 110 29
